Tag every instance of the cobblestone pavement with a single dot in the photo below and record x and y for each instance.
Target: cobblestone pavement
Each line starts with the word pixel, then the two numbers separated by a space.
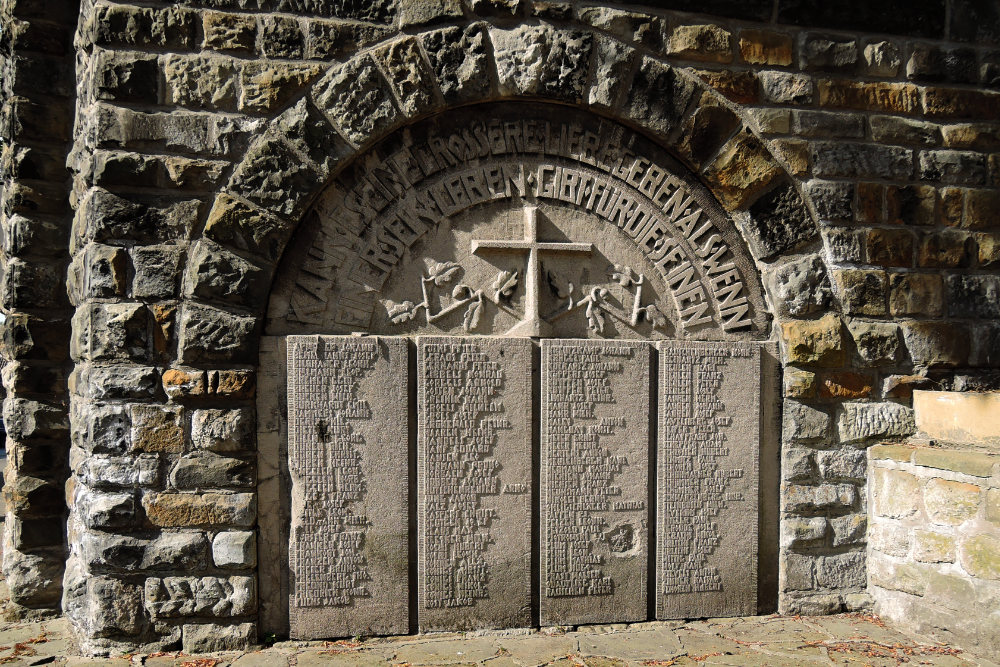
pixel 765 641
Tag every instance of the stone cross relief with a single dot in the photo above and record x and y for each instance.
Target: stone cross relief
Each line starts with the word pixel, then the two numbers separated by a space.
pixel 531 322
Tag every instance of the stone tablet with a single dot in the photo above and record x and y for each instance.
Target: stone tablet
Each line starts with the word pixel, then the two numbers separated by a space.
pixel 709 441
pixel 474 482
pixel 594 486
pixel 347 451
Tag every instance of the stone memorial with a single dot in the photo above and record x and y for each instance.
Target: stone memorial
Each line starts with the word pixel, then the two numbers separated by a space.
pixel 348 438
pixel 594 471
pixel 192 189
pixel 707 463
pixel 474 422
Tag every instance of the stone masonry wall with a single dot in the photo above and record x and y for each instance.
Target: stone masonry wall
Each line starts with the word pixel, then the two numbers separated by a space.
pixel 204 129
pixel 934 541
pixel 36 61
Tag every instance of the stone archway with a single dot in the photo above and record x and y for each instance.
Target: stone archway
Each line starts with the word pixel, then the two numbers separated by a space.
pixel 233 259
pixel 630 246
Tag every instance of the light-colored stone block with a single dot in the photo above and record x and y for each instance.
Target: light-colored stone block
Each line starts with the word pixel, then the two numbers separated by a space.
pixel 962 417
pixel 348 436
pixel 707 471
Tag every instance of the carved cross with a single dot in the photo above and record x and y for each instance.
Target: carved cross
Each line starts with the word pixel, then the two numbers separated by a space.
pixel 532 324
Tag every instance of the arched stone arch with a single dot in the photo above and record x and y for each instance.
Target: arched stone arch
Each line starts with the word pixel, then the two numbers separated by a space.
pixel 379 90
pixel 346 113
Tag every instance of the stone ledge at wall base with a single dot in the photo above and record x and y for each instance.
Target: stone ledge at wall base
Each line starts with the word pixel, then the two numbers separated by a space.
pixel 934 541
pixel 968 417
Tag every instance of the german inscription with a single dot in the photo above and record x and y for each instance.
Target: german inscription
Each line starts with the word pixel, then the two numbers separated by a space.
pixel 347 450
pixel 474 482
pixel 709 439
pixel 375 217
pixel 594 466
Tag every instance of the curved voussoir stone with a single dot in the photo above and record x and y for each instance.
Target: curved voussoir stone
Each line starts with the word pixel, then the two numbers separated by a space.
pixel 359 98
pixel 612 72
pixel 460 61
pixel 276 178
pixel 779 221
pixel 742 171
pixel 215 274
pixel 307 130
pixel 658 97
pixel 242 226
pixel 539 60
pixel 410 76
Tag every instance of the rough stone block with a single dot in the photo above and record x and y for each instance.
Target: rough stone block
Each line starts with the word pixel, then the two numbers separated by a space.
pixel 861 421
pixel 266 86
pixel 155 428
pixel 541 61
pixel 802 423
pixel 229 32
pixel 275 178
pixel 936 64
pixel 658 96
pixel 786 87
pixel 240 226
pixel 780 222
pixel 916 294
pixel 933 547
pixel 830 53
pixel 814 342
pixel 881 58
pixel 408 74
pixel 207 470
pixel 460 62
pixel 157 271
pixel 861 160
pixel 821 498
pixel 951 503
pixel 207 333
pixel 849 529
pixel 877 343
pixel 211 637
pixel 845 570
pixel 980 556
pixel 219 597
pixel 215 274
pixel 861 291
pixel 707 128
pixel 846 463
pixel 798 532
pixel 704 42
pixel 936 344
pixel 223 430
pixel 235 549
pixel 612 69
pixel 189 510
pixel 743 169
pixel 765 47
pixel 200 82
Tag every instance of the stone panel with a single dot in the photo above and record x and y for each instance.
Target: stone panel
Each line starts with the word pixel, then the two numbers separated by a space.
pixel 707 470
pixel 594 479
pixel 348 436
pixel 474 484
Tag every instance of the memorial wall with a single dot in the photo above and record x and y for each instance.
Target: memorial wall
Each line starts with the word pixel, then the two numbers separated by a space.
pixel 533 497
pixel 324 317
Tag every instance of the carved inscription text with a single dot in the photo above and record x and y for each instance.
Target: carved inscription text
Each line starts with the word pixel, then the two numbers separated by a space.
pixel 327 553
